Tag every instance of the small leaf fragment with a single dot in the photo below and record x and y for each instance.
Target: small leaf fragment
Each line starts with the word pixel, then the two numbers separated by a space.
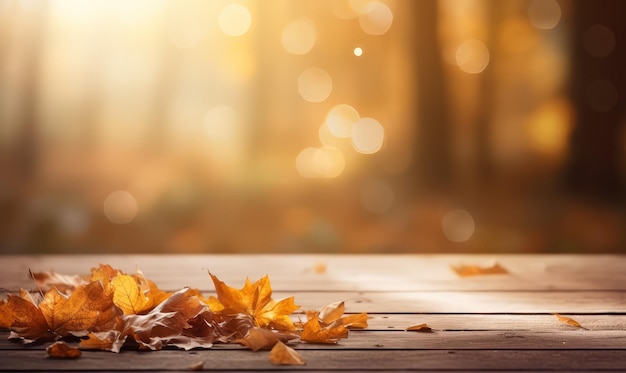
pixel 61 350
pixel 198 365
pixel 465 270
pixel 422 328
pixel 282 354
pixel 568 321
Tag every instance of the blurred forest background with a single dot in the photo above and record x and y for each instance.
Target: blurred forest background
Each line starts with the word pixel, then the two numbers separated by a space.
pixel 343 126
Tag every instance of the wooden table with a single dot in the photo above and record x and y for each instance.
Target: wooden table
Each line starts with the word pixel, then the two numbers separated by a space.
pixel 485 322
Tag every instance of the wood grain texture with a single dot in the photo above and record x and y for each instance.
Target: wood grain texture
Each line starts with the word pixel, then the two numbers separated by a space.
pixel 227 360
pixel 492 322
pixel 343 272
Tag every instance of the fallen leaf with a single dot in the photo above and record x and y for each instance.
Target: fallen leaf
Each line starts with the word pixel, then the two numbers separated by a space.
pixel 568 321
pixel 254 299
pixel 61 350
pixel 422 328
pixel 110 340
pixel 168 323
pixel 64 283
pixel 331 312
pixel 320 268
pixel 264 339
pixel 6 315
pixel 199 365
pixel 356 321
pixel 313 332
pixel 89 308
pixel 476 270
pixel 282 354
pixel 128 296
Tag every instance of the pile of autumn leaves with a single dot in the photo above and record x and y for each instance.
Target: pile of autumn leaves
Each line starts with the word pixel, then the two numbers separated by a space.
pixel 109 309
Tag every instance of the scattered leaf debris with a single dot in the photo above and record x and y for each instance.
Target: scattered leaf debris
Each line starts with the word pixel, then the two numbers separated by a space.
pixel 108 309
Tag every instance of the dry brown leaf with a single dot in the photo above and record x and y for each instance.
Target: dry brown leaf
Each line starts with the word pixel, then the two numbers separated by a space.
pixel 263 339
pixel 169 323
pixel 568 321
pixel 314 333
pixel 331 312
pixel 254 299
pixel 282 354
pixel 422 328
pixel 61 350
pixel 64 283
pixel 465 270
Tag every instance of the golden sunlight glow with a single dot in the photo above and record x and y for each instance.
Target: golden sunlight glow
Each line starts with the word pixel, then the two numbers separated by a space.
pixel 343 9
pixel 299 36
pixel 120 207
pixel 458 225
pixel 377 197
pixel 376 18
pixel 235 20
pixel 602 96
pixel 185 33
pixel 340 120
pixel 221 123
pixel 358 51
pixel 324 162
pixel 549 128
pixel 544 14
pixel 599 41
pixel 472 56
pixel 314 84
pixel 367 135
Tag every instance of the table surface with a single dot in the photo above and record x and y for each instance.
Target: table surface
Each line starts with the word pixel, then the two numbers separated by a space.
pixel 484 322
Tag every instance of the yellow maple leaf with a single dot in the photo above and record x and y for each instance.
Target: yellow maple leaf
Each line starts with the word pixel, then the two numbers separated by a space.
pixel 255 300
pixel 128 295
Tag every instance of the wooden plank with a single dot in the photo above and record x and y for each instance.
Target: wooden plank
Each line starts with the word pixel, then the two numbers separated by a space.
pixel 469 322
pixel 342 272
pixel 458 340
pixel 326 360
pixel 594 302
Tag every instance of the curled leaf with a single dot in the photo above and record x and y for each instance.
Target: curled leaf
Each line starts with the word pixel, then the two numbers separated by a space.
pixel 61 350
pixel 422 328
pixel 263 339
pixel 282 354
pixel 314 333
pixel 64 283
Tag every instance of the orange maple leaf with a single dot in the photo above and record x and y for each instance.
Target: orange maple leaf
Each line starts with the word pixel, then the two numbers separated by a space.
pixel 255 300
pixel 313 332
pixel 89 308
